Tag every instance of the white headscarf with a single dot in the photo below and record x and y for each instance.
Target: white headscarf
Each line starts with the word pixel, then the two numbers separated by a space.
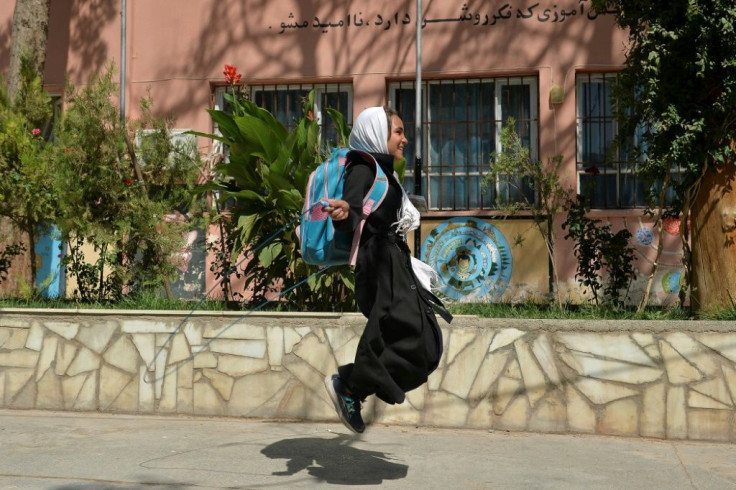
pixel 370 131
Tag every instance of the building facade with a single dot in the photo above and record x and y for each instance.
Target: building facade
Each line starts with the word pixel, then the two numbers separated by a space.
pixel 549 65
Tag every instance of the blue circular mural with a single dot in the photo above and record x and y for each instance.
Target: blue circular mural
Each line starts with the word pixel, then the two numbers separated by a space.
pixel 472 258
pixel 645 236
pixel 671 282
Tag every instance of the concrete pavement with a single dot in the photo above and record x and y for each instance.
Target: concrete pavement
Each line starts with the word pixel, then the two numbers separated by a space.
pixel 62 450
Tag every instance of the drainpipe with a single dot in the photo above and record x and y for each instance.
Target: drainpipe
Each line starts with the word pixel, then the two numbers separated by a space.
pixel 123 36
pixel 418 126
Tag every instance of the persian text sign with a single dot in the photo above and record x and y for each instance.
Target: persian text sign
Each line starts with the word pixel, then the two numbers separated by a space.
pixel 548 12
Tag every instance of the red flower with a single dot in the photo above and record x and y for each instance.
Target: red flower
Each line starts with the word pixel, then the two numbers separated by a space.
pixel 67 150
pixel 310 115
pixel 36 132
pixel 128 182
pixel 232 76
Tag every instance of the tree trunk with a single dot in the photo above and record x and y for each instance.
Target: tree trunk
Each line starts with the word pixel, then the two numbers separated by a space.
pixel 19 273
pixel 31 233
pixel 660 244
pixel 713 223
pixel 29 37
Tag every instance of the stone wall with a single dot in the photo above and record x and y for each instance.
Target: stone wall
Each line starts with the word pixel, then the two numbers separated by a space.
pixel 673 380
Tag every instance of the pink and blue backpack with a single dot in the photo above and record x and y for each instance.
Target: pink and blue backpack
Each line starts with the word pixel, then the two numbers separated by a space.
pixel 321 244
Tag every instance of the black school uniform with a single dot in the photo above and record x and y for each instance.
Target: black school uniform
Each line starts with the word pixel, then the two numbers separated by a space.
pixel 402 342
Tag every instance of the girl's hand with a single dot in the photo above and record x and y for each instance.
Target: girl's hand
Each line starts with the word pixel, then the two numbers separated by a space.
pixel 337 209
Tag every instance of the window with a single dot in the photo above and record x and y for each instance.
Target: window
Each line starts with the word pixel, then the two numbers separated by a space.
pixel 286 103
pixel 183 145
pixel 605 175
pixel 461 126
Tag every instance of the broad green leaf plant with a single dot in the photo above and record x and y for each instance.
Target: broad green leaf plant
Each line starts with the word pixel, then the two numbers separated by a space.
pixel 265 180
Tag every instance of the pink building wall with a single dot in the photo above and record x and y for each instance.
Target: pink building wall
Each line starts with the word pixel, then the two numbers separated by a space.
pixel 177 49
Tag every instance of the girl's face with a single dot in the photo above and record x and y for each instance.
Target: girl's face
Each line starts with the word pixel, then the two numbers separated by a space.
pixel 396 138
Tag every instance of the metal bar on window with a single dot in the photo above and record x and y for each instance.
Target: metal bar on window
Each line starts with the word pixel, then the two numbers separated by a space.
pixel 453 160
pixel 458 144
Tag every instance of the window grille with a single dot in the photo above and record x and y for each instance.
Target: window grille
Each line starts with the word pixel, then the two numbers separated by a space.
pixel 461 126
pixel 606 175
pixel 286 103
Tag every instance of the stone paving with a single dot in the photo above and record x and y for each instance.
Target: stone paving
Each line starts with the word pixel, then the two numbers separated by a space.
pixel 96 451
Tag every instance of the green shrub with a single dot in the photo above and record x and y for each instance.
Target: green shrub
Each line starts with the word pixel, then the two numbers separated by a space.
pixel 27 195
pixel 115 195
pixel 599 250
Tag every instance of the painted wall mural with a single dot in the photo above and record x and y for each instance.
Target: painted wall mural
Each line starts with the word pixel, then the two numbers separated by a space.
pixel 50 276
pixel 503 260
pixel 645 241
pixel 471 256
pixel 669 277
pixel 476 262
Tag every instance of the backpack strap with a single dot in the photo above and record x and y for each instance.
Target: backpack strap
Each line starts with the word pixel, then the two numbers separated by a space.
pixel 371 201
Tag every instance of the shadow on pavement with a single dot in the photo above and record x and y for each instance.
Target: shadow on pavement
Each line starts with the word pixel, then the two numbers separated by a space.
pixel 335 461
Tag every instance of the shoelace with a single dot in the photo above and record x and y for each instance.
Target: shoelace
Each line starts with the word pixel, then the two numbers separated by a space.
pixel 350 405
